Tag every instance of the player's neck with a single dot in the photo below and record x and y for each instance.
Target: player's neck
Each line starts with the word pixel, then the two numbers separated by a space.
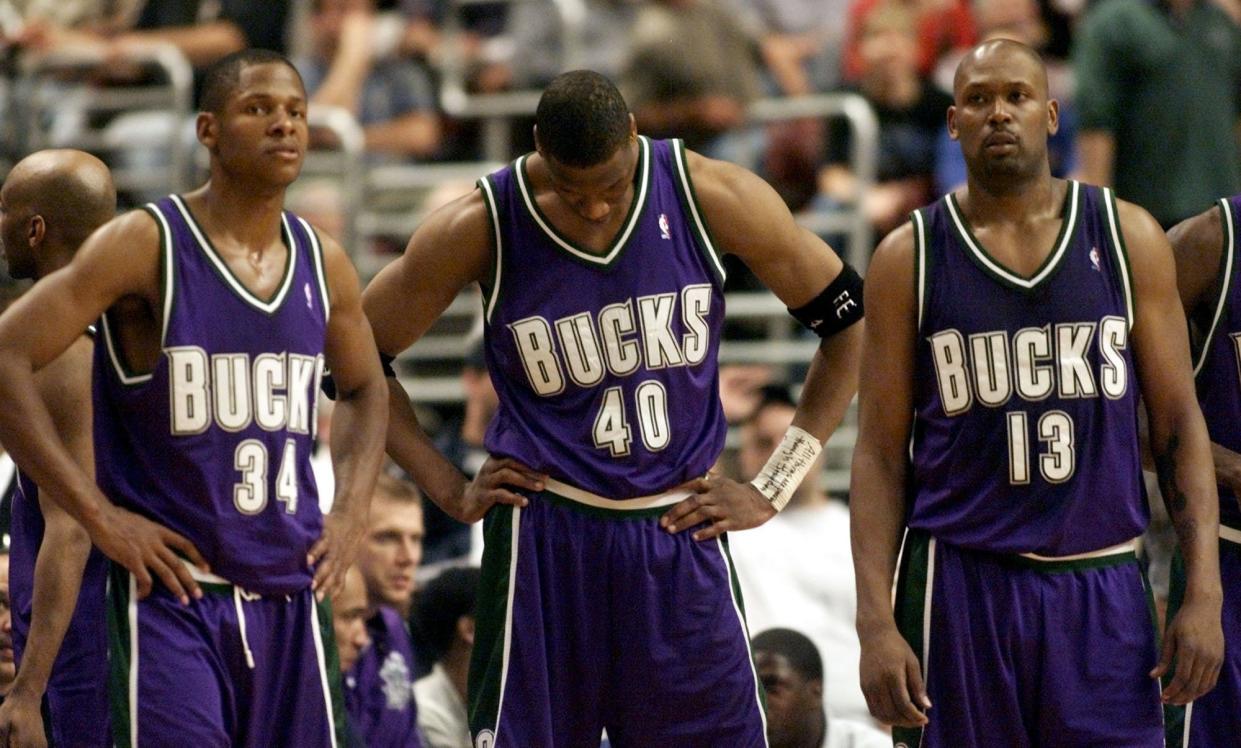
pixel 49 261
pixel 1011 202
pixel 251 216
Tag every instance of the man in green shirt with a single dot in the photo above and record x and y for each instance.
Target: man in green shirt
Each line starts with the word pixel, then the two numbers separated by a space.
pixel 1158 96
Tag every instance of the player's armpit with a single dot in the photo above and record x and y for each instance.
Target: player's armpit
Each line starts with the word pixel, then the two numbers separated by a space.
pixel 1197 246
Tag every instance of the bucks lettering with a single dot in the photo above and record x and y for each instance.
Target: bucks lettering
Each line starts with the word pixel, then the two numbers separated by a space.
pixel 620 339
pixel 988 369
pixel 274 391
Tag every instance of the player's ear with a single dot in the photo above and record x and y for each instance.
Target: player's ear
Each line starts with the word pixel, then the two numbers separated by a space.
pixel 952 122
pixel 465 629
pixel 206 127
pixel 36 231
pixel 1053 116
pixel 537 145
pixel 633 127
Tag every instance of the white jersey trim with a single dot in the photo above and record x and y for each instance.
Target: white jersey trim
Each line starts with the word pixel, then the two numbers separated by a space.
pixel 1122 256
pixel 489 199
pixel 1115 550
pixel 515 545
pixel 316 256
pixel 1229 250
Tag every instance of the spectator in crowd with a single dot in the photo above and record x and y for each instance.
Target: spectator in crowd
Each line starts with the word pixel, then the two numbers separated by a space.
pixel 801 41
pixel 392 549
pixel 444 616
pixel 939 26
pixel 1158 93
pixel 349 613
pixel 482 49
pixel 795 569
pixel 602 45
pixel 692 71
pixel 791 670
pixel 380 700
pixel 1022 21
pixel 911 113
pixel 461 441
pixel 392 97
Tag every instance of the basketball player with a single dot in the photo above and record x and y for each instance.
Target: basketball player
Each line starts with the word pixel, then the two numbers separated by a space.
pixel 1012 326
pixel 607 597
pixel 219 312
pixel 50 203
pixel 1206 247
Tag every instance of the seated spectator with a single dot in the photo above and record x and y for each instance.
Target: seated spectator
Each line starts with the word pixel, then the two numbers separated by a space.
pixel 791 671
pixel 483 48
pixel 349 613
pixel 393 98
pixel 911 114
pixel 444 617
pixel 602 44
pixel 692 72
pixel 796 570
pixel 939 26
pixel 381 703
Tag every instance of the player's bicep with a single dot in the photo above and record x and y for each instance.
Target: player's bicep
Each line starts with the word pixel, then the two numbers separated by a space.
pixel 751 221
pixel 120 259
pixel 449 251
pixel 1160 336
pixel 65 388
pixel 1198 249
pixel 349 347
pixel 887 371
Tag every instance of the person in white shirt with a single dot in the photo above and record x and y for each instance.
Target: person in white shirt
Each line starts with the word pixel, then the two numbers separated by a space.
pixel 444 618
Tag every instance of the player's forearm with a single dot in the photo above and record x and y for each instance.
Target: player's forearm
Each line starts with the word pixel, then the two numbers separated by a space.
pixel 57 581
pixel 413 134
pixel 876 521
pixel 29 434
pixel 409 446
pixel 359 423
pixel 831 383
pixel 202 44
pixel 1182 454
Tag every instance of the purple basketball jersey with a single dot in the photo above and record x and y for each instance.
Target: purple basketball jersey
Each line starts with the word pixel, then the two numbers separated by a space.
pixel 605 364
pixel 215 443
pixel 77 705
pixel 1025 428
pixel 379 691
pixel 1217 364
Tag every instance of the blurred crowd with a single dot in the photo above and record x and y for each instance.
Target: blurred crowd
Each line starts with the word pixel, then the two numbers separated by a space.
pixel 1148 89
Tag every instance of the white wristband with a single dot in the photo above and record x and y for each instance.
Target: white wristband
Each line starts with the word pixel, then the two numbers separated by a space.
pixel 787 466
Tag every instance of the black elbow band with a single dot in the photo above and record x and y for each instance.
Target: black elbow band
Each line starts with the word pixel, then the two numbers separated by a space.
pixel 836 308
pixel 328 385
pixel 385 363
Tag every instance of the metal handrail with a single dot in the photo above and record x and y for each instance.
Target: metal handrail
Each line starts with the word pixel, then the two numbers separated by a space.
pixel 177 96
pixel 351 148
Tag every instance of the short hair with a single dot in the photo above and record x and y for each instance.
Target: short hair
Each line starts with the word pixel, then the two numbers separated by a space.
pixel 223 76
pixel 397 489
pixel 581 119
pixel 795 647
pixel 441 603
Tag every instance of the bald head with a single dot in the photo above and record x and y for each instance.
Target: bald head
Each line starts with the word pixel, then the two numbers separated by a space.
pixel 52 201
pixel 1012 58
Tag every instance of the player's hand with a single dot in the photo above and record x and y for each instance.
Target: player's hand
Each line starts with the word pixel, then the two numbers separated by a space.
pixel 1195 639
pixel 892 680
pixel 138 544
pixel 335 550
pixel 723 502
pixel 493 485
pixel 21 722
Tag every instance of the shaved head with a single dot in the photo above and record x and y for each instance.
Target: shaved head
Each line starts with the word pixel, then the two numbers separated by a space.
pixel 71 190
pixel 1000 53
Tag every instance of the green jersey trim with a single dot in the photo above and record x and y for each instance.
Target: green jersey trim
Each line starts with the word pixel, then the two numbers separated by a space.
pixel 226 274
pixel 920 258
pixel 1228 264
pixel 692 207
pixel 994 268
pixel 316 255
pixel 574 249
pixel 1122 252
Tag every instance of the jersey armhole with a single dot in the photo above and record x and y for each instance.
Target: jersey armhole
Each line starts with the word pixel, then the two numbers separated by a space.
pixel 692 208
pixel 491 291
pixel 1121 251
pixel 319 263
pixel 1227 269
pixel 167 292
